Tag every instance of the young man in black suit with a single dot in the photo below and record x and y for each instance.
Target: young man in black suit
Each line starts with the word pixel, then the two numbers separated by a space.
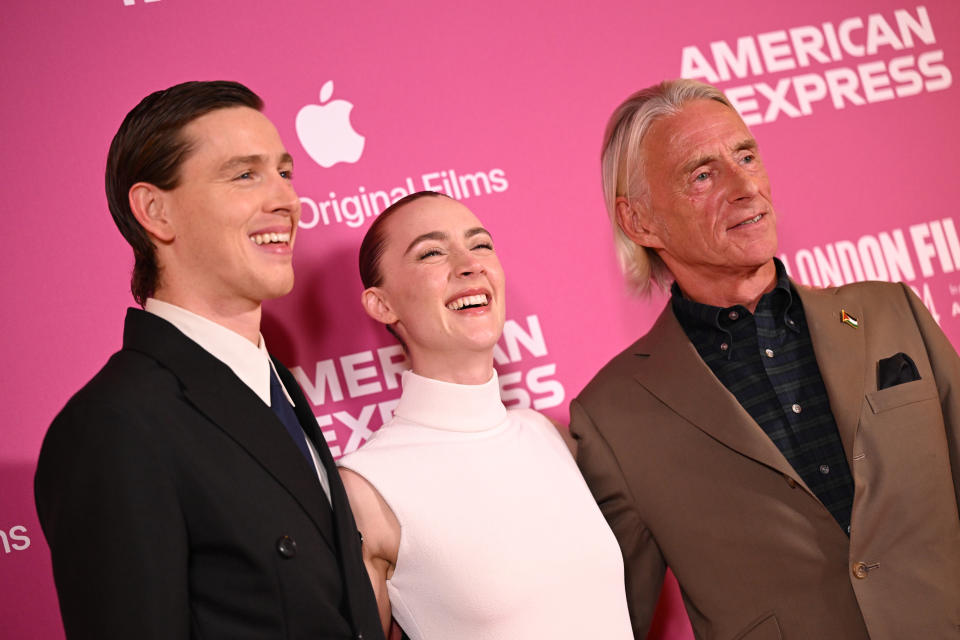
pixel 186 491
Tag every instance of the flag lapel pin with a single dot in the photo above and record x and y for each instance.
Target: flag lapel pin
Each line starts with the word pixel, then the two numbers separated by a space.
pixel 848 319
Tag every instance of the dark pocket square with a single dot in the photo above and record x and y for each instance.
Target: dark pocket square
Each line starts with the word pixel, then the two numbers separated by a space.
pixel 896 369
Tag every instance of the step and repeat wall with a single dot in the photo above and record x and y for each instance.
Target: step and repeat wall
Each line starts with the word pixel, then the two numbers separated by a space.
pixel 501 105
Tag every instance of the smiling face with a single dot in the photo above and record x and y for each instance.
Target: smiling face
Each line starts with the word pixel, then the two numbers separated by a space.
pixel 709 212
pixel 442 287
pixel 233 216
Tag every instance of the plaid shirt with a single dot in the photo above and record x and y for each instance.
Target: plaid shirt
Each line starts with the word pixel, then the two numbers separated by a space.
pixel 766 360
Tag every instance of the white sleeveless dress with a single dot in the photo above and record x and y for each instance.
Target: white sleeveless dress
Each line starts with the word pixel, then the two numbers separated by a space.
pixel 500 536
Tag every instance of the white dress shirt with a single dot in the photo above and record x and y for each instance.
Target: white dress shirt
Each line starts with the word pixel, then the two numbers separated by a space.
pixel 251 363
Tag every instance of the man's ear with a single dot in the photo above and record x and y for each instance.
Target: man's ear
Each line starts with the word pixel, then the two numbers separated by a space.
pixel 636 224
pixel 149 206
pixel 377 306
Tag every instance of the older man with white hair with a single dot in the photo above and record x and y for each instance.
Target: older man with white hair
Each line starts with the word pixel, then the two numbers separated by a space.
pixel 791 454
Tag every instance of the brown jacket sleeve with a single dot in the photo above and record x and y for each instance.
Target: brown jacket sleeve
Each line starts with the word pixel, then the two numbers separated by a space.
pixel 644 565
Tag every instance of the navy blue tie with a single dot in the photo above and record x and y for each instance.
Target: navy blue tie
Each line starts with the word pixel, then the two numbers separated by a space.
pixel 281 407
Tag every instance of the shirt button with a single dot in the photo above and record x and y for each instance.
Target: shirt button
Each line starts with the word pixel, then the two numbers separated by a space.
pixel 824 469
pixel 724 346
pixel 790 322
pixel 796 408
pixel 769 352
pixel 733 315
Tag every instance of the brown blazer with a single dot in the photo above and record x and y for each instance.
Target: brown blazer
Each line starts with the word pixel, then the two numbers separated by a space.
pixel 687 479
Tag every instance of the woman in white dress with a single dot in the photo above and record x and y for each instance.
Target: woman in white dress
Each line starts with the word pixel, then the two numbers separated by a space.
pixel 476 523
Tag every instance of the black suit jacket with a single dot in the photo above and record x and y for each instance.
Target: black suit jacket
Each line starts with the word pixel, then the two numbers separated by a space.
pixel 176 505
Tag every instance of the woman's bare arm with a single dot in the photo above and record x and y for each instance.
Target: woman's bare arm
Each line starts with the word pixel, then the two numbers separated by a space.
pixel 381 536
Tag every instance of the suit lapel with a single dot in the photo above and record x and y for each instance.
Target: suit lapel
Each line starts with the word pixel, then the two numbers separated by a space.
pixel 669 367
pixel 359 594
pixel 240 413
pixel 226 401
pixel 840 350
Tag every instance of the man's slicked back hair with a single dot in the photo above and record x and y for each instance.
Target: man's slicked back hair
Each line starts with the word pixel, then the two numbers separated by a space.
pixel 150 147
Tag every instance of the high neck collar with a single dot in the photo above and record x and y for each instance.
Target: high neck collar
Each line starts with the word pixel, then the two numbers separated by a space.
pixel 449 406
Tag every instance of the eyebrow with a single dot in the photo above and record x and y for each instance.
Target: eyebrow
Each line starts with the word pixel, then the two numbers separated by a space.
pixel 239 161
pixel 440 235
pixel 476 231
pixel 745 144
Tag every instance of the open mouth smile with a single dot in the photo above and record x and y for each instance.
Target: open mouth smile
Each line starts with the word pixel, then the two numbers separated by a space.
pixel 753 220
pixel 469 302
pixel 270 238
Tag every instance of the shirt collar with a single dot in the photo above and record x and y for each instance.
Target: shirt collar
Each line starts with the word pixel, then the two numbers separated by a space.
pixel 251 363
pixel 781 296
pixel 780 302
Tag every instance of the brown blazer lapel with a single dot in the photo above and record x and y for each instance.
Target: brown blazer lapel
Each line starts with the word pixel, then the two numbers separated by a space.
pixel 840 350
pixel 670 368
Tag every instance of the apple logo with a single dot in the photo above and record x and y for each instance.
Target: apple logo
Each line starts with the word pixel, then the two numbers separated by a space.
pixel 325 130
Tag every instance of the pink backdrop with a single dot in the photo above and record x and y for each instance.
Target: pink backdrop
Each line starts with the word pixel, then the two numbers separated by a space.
pixel 502 105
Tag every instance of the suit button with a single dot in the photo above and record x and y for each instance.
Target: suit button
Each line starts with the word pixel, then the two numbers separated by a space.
pixel 791 482
pixel 287 546
pixel 359 636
